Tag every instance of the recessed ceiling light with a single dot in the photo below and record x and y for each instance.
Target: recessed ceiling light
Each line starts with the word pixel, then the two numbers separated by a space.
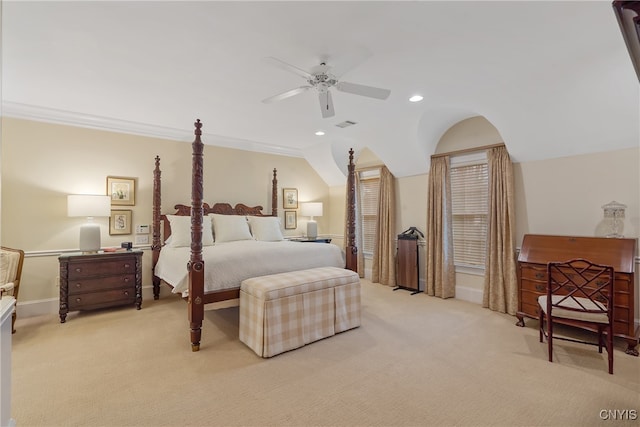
pixel 416 98
pixel 319 133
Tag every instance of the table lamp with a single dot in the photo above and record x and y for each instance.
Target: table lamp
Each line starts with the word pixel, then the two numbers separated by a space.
pixel 89 206
pixel 311 209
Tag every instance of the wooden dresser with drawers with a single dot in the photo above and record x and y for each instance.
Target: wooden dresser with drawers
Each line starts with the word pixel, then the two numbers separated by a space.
pixel 92 281
pixel 537 250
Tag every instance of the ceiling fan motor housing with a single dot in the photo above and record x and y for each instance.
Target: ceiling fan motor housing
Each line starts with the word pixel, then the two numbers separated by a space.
pixel 322 82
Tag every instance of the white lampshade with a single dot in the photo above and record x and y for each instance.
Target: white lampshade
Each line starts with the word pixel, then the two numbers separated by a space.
pixel 311 209
pixel 89 206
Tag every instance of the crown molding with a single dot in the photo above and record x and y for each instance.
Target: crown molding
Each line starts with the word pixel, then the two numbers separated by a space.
pixel 69 118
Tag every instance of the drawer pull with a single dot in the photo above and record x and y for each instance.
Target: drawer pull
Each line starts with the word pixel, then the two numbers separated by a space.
pixel 541 288
pixel 540 275
pixel 127 265
pixel 78 270
pixel 78 299
pixel 78 285
pixel 125 279
pixel 126 293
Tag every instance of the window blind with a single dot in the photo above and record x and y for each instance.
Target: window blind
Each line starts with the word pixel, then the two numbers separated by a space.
pixel 369 186
pixel 469 203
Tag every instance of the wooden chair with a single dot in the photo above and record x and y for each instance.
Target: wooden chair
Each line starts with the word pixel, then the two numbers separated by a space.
pixel 580 294
pixel 10 272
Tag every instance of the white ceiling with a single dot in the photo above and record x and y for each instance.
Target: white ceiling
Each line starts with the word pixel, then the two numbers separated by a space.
pixel 554 78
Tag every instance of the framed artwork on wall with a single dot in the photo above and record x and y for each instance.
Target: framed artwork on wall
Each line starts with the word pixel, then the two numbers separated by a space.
pixel 122 190
pixel 290 220
pixel 290 198
pixel 120 222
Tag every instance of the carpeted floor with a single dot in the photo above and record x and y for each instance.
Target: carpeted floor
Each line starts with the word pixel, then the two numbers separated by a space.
pixel 415 361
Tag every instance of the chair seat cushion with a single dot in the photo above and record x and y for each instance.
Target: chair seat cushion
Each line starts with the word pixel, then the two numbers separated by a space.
pixel 571 303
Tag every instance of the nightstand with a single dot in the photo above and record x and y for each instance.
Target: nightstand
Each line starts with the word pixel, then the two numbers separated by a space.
pixel 316 240
pixel 92 281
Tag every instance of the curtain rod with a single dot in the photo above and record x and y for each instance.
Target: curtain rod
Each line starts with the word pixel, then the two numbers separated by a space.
pixel 468 150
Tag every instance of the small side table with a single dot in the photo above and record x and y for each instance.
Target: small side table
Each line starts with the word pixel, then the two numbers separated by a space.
pixel 92 281
pixel 316 240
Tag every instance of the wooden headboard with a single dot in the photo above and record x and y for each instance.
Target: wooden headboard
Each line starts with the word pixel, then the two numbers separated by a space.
pixel 218 208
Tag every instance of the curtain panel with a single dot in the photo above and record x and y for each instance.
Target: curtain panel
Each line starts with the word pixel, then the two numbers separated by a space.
pixel 383 268
pixel 440 269
pixel 500 281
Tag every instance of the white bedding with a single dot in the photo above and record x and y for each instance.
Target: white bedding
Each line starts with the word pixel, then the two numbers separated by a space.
pixel 227 264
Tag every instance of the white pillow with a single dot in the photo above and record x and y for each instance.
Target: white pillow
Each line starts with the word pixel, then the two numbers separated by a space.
pixel 265 228
pixel 228 228
pixel 181 231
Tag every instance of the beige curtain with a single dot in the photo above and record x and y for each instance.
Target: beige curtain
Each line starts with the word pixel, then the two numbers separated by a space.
pixel 358 218
pixel 383 263
pixel 440 270
pixel 500 282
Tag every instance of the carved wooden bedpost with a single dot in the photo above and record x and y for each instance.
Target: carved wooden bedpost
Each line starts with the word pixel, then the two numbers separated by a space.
pixel 274 193
pixel 155 244
pixel 351 248
pixel 196 264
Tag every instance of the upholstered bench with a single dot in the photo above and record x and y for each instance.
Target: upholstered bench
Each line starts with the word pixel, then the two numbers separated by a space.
pixel 282 312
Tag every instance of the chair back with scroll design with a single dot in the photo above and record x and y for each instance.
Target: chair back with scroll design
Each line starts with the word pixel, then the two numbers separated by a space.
pixel 580 294
pixel 10 273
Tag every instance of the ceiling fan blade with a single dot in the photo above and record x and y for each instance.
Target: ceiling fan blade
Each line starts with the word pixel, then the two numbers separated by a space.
pixel 370 91
pixel 286 94
pixel 326 104
pixel 287 67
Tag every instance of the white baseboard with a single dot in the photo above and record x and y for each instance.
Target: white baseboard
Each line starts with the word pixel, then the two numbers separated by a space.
pixel 469 294
pixel 52 305
pixel 38 307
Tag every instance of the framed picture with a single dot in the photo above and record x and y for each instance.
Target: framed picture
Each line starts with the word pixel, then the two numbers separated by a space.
pixel 122 190
pixel 120 222
pixel 290 198
pixel 290 220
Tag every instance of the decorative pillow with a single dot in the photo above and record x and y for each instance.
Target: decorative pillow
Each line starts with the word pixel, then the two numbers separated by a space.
pixel 229 228
pixel 265 228
pixel 181 231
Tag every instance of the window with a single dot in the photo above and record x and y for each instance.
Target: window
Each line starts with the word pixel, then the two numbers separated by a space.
pixel 369 185
pixel 469 204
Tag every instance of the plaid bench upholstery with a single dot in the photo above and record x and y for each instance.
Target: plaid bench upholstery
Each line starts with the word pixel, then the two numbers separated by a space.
pixel 285 311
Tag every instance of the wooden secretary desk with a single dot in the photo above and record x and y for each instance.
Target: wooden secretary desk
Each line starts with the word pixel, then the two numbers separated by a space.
pixel 537 250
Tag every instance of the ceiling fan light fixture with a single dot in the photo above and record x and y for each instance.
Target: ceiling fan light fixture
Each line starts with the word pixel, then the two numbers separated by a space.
pixel 416 98
pixel 319 133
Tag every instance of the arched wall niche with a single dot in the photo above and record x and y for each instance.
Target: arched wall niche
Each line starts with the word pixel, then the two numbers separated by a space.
pixel 368 158
pixel 469 133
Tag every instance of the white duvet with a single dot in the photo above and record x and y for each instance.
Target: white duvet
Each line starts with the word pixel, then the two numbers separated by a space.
pixel 227 264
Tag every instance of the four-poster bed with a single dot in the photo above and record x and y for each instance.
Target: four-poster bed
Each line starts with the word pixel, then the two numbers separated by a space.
pixel 196 285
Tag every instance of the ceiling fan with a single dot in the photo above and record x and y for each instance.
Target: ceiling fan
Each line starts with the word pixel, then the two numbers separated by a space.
pixel 322 80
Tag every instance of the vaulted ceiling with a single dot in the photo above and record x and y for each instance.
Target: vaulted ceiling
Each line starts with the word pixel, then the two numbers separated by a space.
pixel 554 78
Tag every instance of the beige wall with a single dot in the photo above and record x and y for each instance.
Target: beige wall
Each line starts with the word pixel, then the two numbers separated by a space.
pixel 565 195
pixel 43 163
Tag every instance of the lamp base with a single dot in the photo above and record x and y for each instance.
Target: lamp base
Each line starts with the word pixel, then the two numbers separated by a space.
pixel 312 230
pixel 90 238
